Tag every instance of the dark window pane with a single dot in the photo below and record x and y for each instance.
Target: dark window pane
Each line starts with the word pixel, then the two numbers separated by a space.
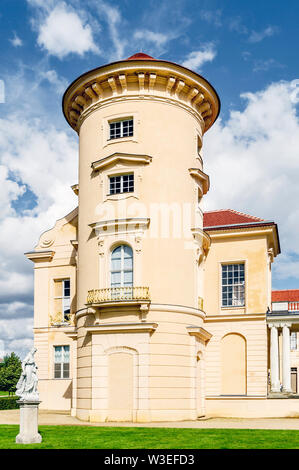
pixel 66 371
pixel 57 371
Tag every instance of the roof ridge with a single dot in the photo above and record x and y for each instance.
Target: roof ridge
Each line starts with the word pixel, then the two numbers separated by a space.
pixel 283 290
pixel 246 215
pixel 235 212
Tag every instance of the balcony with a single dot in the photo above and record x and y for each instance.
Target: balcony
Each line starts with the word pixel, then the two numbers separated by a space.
pixel 62 320
pixel 293 307
pixel 118 294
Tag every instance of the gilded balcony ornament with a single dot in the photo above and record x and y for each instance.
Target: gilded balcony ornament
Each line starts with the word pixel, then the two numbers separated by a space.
pixel 96 296
pixel 58 319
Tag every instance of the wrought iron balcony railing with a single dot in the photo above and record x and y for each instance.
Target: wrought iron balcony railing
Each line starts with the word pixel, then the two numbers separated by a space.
pixel 96 296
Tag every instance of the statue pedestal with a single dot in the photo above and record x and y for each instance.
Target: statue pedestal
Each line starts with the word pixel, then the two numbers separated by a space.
pixel 28 423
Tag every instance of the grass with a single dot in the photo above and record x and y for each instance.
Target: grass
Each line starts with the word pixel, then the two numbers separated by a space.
pixel 96 437
pixel 2 393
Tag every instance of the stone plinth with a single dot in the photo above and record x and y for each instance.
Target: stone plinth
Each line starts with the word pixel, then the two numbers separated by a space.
pixel 28 423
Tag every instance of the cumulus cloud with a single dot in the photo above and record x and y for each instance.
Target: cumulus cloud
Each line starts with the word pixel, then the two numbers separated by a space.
pixel 196 59
pixel 61 31
pixel 35 156
pixel 253 161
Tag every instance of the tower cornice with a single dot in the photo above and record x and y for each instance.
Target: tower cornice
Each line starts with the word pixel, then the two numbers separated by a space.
pixel 147 79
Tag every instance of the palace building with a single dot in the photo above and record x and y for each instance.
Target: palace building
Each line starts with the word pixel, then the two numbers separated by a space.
pixel 146 308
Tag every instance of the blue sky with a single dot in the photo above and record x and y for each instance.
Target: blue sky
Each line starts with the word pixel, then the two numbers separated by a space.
pixel 247 50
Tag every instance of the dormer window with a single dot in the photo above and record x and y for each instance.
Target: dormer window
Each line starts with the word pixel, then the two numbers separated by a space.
pixel 121 128
pixel 121 184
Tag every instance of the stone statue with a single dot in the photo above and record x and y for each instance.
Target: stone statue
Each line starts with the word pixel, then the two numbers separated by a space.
pixel 27 384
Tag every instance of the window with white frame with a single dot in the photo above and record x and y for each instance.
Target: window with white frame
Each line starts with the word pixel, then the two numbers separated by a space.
pixel 62 298
pixel 61 362
pixel 293 340
pixel 121 128
pixel 121 271
pixel 121 184
pixel 233 285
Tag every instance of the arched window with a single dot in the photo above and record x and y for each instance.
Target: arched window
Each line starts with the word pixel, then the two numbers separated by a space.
pixel 122 266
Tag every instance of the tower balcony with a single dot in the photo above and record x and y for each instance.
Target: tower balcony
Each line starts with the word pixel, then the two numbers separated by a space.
pixel 118 294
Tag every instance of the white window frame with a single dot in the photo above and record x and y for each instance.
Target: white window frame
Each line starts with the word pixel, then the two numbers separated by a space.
pixel 65 300
pixel 121 176
pixel 293 340
pixel 239 300
pixel 105 127
pixel 122 121
pixel 62 362
pixel 122 266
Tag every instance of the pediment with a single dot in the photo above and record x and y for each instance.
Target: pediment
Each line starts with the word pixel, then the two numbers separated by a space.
pixel 116 158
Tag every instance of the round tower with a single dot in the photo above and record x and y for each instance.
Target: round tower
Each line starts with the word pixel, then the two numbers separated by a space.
pixel 141 245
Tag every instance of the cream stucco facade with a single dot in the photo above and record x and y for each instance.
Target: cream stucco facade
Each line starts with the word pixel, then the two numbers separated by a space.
pixel 130 322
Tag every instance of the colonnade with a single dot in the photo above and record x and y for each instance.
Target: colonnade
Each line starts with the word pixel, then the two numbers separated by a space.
pixel 274 357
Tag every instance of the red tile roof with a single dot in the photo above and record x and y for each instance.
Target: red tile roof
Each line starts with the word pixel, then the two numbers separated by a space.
pixel 228 217
pixel 290 295
pixel 140 56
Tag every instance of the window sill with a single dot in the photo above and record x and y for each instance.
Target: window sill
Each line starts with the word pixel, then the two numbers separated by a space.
pixel 119 140
pixel 233 307
pixel 61 378
pixel 120 196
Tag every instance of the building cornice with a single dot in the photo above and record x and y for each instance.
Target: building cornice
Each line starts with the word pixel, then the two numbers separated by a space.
pixel 276 318
pixel 122 328
pixel 140 80
pixel 40 256
pixel 235 317
pixel 243 230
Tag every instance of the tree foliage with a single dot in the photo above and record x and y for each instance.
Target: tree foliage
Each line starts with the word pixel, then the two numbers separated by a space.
pixel 10 372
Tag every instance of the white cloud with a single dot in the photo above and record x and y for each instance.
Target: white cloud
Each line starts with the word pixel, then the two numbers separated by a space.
pixel 63 32
pixel 196 59
pixel 253 162
pixel 114 21
pixel 2 349
pixel 16 41
pixel 265 33
pixel 158 39
pixel 34 155
pixel 18 334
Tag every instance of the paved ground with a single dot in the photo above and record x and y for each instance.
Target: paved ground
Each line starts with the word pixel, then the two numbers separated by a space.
pixel 12 417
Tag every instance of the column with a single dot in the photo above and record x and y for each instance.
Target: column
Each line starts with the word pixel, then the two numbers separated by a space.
pixel 274 365
pixel 286 358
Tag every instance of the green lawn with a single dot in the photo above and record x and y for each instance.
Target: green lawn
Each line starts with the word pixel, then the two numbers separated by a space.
pixel 96 437
pixel 3 393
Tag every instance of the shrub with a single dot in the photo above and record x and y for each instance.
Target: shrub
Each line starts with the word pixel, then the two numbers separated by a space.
pixel 9 403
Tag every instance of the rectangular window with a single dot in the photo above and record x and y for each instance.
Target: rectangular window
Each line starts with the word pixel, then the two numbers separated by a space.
pixel 123 128
pixel 294 379
pixel 233 285
pixel 121 184
pixel 62 299
pixel 293 340
pixel 61 362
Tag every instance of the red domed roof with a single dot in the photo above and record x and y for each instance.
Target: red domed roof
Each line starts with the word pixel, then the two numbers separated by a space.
pixel 140 56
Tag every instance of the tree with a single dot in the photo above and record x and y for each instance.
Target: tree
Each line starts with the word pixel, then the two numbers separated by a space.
pixel 10 373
